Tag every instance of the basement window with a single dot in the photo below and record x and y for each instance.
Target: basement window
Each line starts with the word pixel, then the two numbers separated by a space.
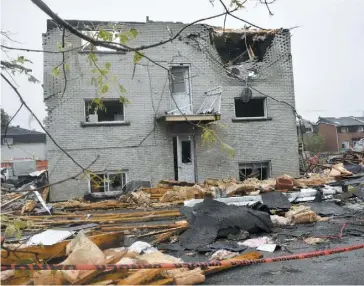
pixel 110 110
pixel 259 170
pixel 254 108
pixel 106 182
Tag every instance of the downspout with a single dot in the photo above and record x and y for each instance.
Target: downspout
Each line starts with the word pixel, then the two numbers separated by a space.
pixel 337 139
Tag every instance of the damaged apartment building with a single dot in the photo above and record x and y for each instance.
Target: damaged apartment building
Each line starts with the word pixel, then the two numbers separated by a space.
pixel 238 83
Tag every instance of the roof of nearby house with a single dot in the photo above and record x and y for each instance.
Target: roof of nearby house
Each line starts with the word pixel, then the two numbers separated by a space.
pixel 342 121
pixel 22 135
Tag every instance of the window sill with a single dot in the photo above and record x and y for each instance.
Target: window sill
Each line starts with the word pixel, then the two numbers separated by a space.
pixel 111 123
pixel 251 119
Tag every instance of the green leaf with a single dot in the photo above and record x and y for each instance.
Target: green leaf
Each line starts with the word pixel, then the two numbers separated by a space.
pixel 107 65
pixel 124 100
pixel 137 57
pixel 21 59
pixel 10 230
pixel 104 88
pixel 123 38
pixel 114 78
pixel 133 33
pixel 67 67
pixel 121 88
pixel 106 35
pixel 56 72
pixel 92 57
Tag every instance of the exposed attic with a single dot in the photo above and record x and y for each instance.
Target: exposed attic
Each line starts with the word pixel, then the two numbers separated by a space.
pixel 238 46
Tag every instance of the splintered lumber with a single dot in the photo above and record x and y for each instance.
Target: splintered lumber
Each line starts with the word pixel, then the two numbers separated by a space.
pixel 165 281
pixel 162 231
pixel 73 204
pixel 144 226
pixel 45 193
pixel 13 200
pixel 246 256
pixel 164 236
pixel 140 277
pixel 44 252
pixel 156 191
pixel 106 276
pixel 89 275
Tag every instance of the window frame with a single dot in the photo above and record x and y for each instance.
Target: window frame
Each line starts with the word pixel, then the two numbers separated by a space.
pixel 107 181
pixel 348 145
pixel 265 106
pixel 360 129
pixel 252 163
pixel 344 128
pixel 103 122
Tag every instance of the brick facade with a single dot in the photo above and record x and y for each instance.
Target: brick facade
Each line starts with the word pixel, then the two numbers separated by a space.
pixel 125 147
pixel 329 132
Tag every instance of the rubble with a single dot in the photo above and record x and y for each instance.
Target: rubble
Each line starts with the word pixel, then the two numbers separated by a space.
pixel 223 218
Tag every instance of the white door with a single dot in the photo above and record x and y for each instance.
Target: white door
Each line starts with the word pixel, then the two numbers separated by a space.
pixel 186 158
pixel 180 86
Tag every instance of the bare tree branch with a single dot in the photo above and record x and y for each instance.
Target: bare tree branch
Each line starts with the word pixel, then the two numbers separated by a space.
pixel 41 5
pixel 39 51
pixel 40 123
pixel 245 21
pixel 14 66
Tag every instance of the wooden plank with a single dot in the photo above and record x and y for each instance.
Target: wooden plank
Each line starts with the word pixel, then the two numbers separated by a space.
pixel 89 275
pixel 165 281
pixel 164 236
pixel 45 193
pixel 140 277
pixel 246 256
pixel 103 241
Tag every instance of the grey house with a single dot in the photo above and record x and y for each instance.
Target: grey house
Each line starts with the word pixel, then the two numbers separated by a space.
pixel 212 75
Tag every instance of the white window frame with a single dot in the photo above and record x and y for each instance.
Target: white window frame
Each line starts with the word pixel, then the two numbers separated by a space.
pixel 344 129
pixel 360 129
pixel 241 165
pixel 107 181
pixel 252 118
pixel 347 145
pixel 105 99
pixel 188 85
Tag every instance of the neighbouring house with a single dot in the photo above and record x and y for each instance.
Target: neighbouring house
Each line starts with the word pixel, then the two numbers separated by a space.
pixel 341 133
pixel 238 83
pixel 306 127
pixel 22 144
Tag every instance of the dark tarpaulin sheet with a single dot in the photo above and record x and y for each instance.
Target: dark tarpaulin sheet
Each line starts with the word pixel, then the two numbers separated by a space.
pixel 276 200
pixel 208 217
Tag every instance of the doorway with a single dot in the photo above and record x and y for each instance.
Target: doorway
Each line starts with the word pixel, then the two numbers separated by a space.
pixel 184 158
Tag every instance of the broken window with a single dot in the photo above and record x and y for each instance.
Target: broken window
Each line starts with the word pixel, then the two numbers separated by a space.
pixel 108 110
pixel 107 182
pixel 344 129
pixel 259 170
pixel 345 145
pixel 255 107
pixel 179 79
pixel 360 129
pixel 186 151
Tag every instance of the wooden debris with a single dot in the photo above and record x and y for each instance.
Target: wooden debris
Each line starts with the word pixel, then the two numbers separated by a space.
pixel 28 207
pixel 140 277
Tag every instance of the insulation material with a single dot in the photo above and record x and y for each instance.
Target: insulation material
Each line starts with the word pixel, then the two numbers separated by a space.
pixel 183 193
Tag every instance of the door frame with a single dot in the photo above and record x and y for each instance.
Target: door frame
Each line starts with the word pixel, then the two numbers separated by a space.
pixel 193 153
pixel 187 65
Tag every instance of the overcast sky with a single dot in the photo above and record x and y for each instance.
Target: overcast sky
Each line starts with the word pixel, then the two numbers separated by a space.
pixel 327 47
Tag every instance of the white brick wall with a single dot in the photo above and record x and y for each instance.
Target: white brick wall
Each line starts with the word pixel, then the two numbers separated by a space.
pixel 118 146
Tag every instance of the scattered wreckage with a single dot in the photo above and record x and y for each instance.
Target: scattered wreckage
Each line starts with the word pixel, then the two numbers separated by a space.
pixel 153 235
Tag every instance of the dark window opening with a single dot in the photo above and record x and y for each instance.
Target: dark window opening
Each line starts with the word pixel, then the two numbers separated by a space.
pixel 106 182
pixel 254 170
pixel 108 110
pixel 253 108
pixel 186 151
pixel 175 161
pixel 117 182
pixel 97 182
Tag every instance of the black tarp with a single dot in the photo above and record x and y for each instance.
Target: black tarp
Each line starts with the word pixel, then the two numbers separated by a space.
pixel 208 217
